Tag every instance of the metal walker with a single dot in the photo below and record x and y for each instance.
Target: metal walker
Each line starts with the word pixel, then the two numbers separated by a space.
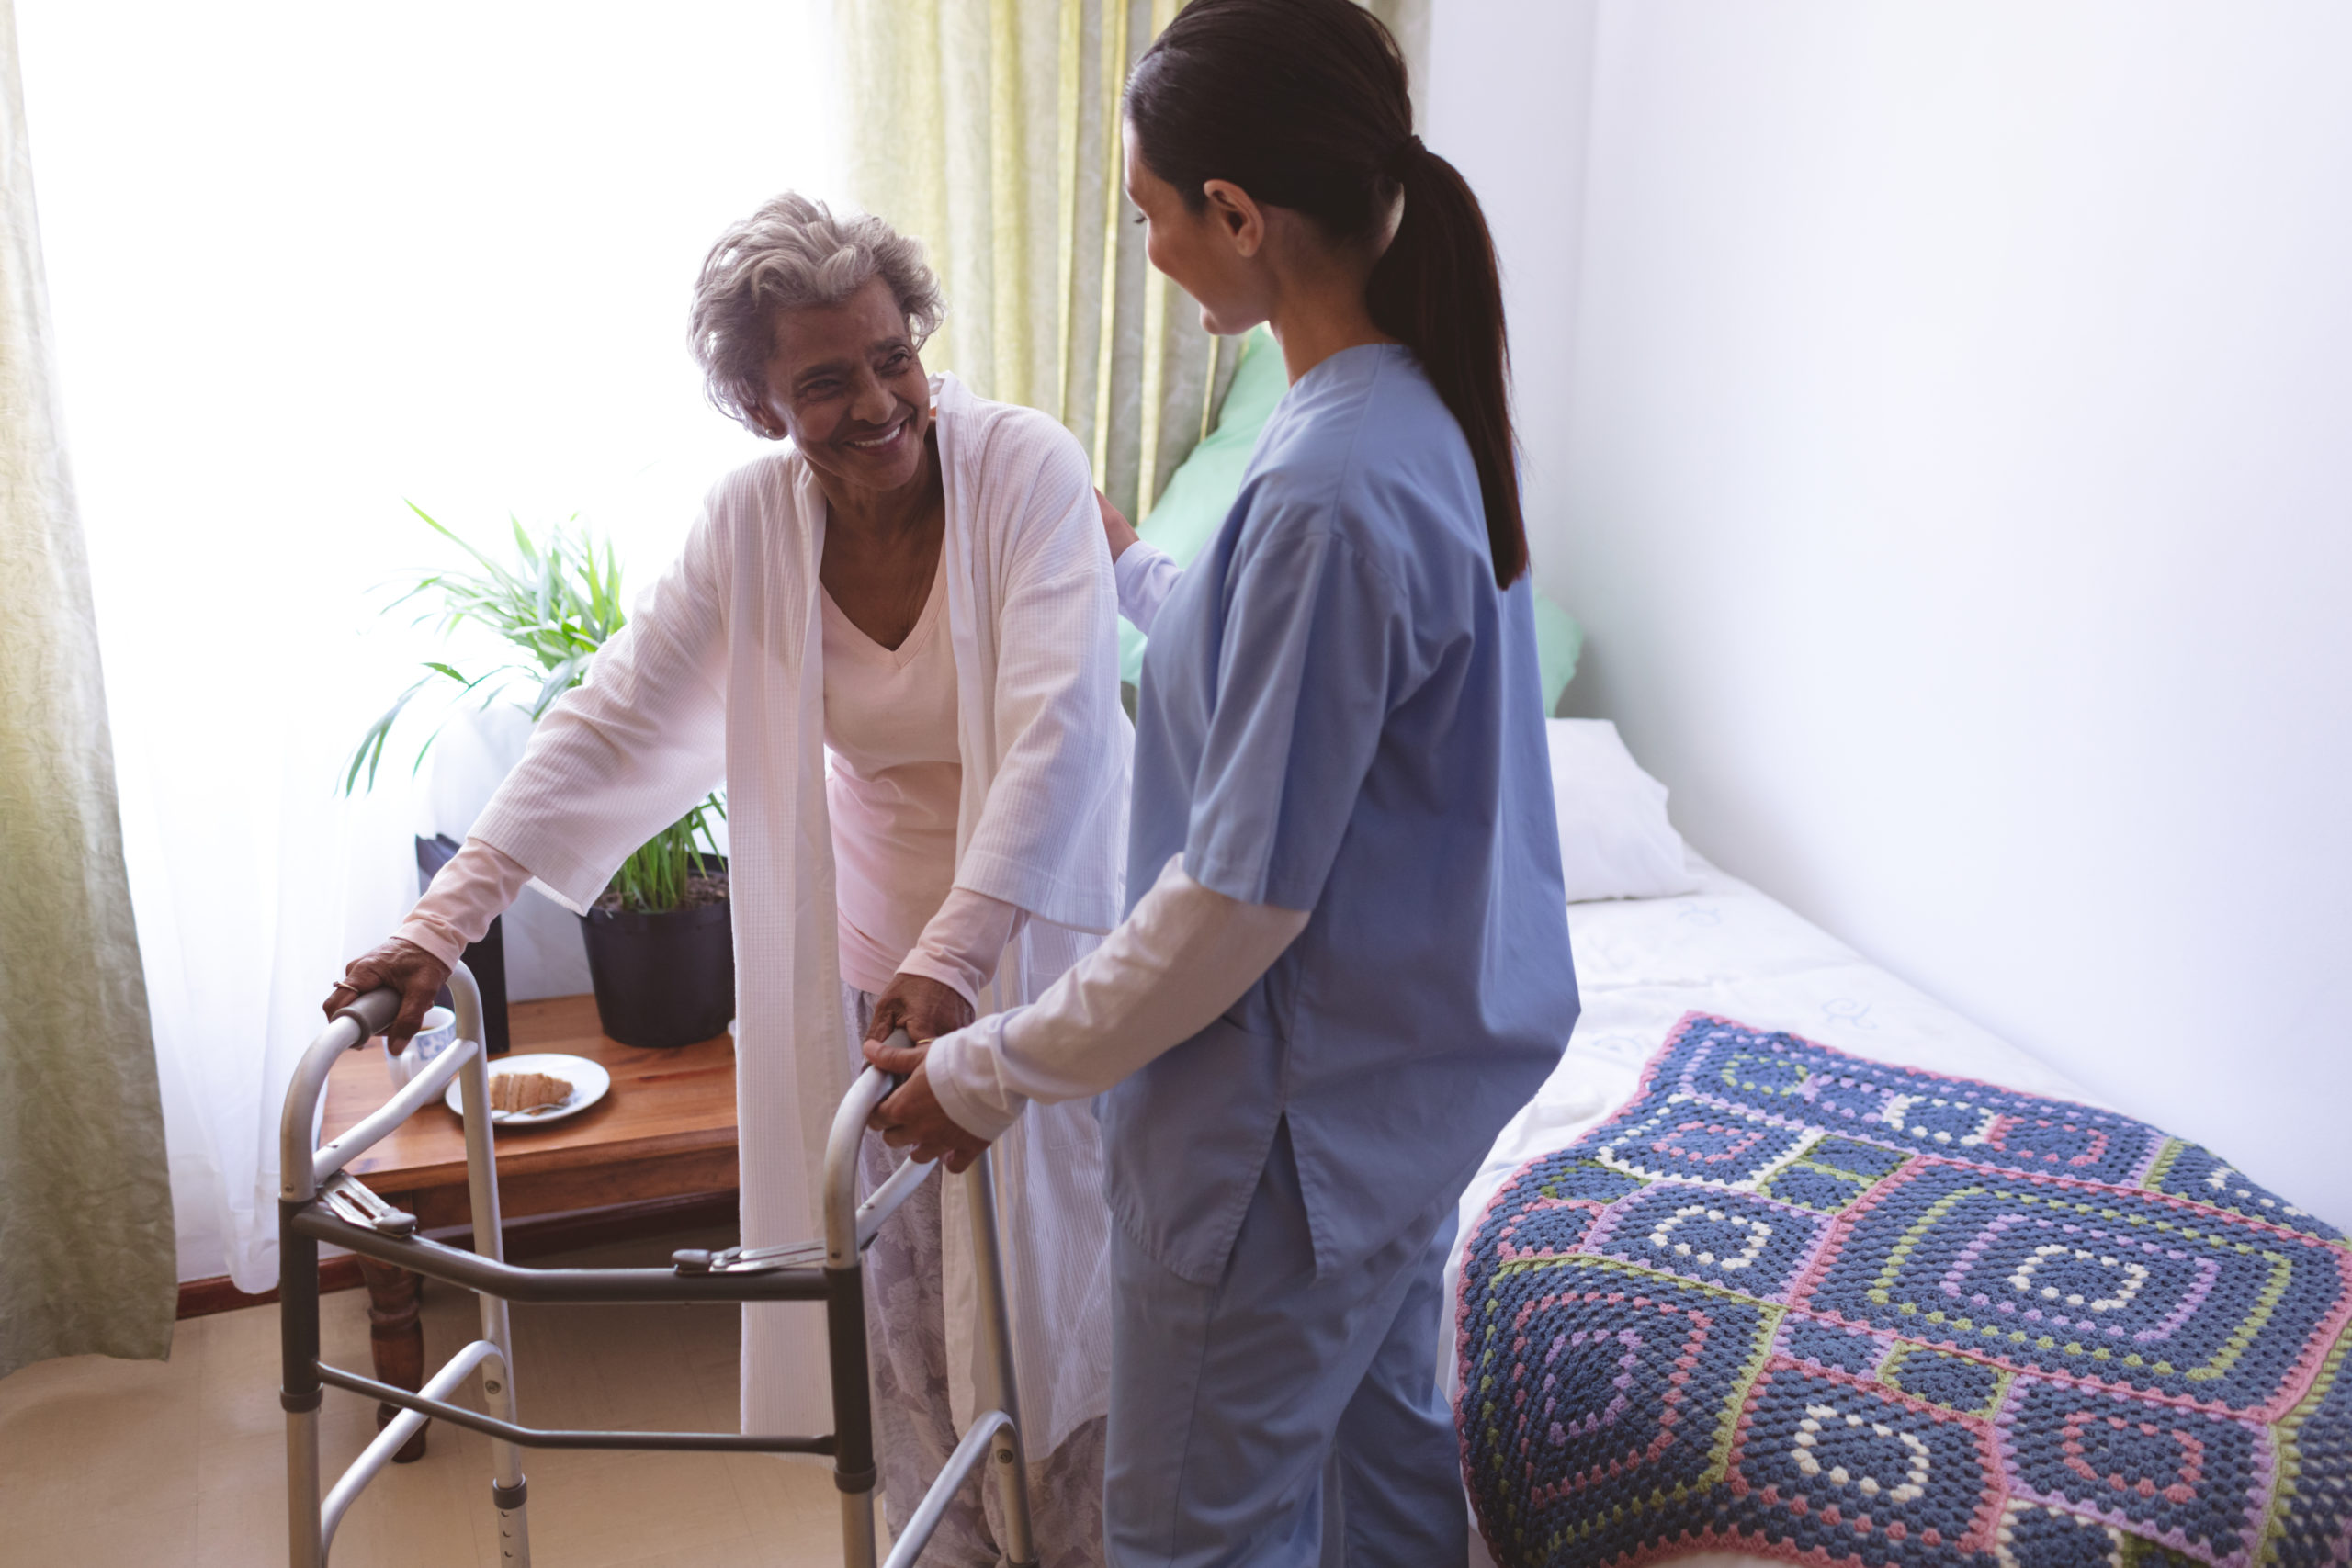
pixel 318 1202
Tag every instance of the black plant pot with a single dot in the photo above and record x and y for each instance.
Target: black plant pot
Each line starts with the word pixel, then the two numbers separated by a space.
pixel 665 980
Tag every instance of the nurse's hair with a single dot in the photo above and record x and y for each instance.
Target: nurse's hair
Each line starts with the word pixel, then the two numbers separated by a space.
pixel 1302 102
pixel 790 254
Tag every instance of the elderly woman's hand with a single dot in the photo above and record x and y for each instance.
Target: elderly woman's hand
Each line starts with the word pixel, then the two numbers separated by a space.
pixel 913 1116
pixel 415 974
pixel 923 1006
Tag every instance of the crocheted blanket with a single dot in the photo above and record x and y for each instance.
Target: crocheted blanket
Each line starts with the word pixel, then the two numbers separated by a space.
pixel 1794 1303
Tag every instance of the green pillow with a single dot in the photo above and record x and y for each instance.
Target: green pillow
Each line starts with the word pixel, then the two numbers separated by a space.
pixel 1202 490
pixel 1558 640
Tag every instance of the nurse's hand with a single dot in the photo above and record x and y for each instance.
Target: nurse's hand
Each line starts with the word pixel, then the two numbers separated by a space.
pixel 926 1008
pixel 1115 527
pixel 912 1116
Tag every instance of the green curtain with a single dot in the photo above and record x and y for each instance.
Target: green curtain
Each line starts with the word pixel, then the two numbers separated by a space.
pixel 990 129
pixel 86 1255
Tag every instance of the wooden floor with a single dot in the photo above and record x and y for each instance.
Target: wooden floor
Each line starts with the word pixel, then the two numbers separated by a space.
pixel 112 1464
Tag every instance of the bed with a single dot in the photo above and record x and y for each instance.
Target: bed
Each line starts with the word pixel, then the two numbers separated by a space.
pixel 2225 1485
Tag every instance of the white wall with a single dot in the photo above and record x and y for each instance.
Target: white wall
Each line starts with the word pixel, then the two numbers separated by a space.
pixel 1950 455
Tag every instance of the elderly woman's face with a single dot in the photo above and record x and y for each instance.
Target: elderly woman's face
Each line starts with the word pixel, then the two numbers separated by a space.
pixel 845 384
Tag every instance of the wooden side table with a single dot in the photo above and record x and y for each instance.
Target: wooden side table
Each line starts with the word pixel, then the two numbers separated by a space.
pixel 666 1130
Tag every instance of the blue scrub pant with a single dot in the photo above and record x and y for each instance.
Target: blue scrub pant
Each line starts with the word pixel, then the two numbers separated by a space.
pixel 1238 1408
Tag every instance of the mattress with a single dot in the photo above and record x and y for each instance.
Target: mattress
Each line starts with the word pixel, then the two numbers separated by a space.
pixel 1727 948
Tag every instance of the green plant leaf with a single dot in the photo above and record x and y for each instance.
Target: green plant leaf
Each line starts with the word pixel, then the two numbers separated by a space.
pixel 370 750
pixel 554 602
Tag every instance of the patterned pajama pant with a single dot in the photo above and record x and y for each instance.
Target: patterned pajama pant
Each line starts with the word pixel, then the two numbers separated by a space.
pixel 906 1325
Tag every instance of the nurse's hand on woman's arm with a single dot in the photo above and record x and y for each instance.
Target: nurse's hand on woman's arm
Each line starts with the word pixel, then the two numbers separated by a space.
pixel 1115 527
pixel 912 1116
pixel 1144 576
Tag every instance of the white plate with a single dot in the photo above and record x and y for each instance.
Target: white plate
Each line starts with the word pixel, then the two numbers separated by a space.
pixel 588 1083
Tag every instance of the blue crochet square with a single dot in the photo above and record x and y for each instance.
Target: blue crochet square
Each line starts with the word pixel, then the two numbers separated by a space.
pixel 1782 1076
pixel 1545 1207
pixel 2315 1502
pixel 2119 1288
pixel 1684 1140
pixel 1868 1161
pixel 1736 1240
pixel 2195 1174
pixel 1938 1376
pixel 2032 1536
pixel 1582 1177
pixel 1544 1228
pixel 1599 1396
pixel 1831 1347
pixel 2193 1481
pixel 1808 1186
pixel 1838 1466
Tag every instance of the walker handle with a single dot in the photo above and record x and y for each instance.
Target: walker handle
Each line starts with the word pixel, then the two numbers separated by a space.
pixel 373 1013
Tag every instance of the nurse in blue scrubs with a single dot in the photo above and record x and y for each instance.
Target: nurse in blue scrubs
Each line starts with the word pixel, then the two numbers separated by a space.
pixel 1346 961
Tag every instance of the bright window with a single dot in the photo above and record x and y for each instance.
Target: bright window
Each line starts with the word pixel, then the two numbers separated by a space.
pixel 307 262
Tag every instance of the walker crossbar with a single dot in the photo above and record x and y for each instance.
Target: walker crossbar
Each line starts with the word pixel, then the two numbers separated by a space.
pixel 319 1202
pixel 961 1463
pixel 591 1287
pixel 425 1404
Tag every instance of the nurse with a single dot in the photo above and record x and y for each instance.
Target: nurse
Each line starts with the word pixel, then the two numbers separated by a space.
pixel 1346 962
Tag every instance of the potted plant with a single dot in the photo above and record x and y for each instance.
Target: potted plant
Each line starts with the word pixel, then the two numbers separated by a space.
pixel 661 940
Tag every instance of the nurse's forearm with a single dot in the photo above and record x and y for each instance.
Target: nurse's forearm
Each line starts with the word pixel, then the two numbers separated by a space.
pixel 1145 575
pixel 1185 955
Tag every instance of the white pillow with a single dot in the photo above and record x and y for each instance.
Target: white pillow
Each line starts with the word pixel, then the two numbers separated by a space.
pixel 1615 841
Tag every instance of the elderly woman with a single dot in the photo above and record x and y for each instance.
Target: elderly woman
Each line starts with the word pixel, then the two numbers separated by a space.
pixel 894 639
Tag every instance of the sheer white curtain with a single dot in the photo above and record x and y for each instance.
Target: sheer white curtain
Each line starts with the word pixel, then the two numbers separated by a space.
pixel 307 262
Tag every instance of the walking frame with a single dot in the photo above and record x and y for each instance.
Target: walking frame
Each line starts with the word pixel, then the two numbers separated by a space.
pixel 319 1202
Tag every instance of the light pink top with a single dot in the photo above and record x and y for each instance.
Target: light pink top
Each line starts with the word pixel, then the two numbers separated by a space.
pixel 892 792
pixel 893 782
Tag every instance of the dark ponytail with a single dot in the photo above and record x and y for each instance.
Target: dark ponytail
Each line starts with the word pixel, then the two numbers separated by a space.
pixel 1302 104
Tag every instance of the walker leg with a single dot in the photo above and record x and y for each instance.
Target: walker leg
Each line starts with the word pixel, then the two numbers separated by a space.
pixel 514 1523
pixel 857 1528
pixel 299 1392
pixel 509 1489
pixel 1007 1461
pixel 853 1470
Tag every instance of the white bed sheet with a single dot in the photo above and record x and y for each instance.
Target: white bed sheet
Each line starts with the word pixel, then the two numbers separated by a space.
pixel 1727 948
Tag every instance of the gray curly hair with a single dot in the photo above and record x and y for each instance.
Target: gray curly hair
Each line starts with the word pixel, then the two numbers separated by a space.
pixel 792 254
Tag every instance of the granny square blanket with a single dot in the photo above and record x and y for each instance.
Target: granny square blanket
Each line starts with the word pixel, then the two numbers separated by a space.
pixel 1796 1304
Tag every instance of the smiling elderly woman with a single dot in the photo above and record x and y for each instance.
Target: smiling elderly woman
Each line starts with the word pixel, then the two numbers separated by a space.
pixel 916 585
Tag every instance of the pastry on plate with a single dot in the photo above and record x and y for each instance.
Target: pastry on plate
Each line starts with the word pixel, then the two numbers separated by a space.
pixel 519 1094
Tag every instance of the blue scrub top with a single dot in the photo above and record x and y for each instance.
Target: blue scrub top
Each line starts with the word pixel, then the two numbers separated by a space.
pixel 1339 712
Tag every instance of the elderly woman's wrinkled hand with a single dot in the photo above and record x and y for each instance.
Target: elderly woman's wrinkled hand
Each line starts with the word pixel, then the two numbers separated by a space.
pixel 912 1116
pixel 926 1008
pixel 407 969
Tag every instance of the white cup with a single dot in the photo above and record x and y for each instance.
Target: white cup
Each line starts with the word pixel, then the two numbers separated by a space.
pixel 439 1032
